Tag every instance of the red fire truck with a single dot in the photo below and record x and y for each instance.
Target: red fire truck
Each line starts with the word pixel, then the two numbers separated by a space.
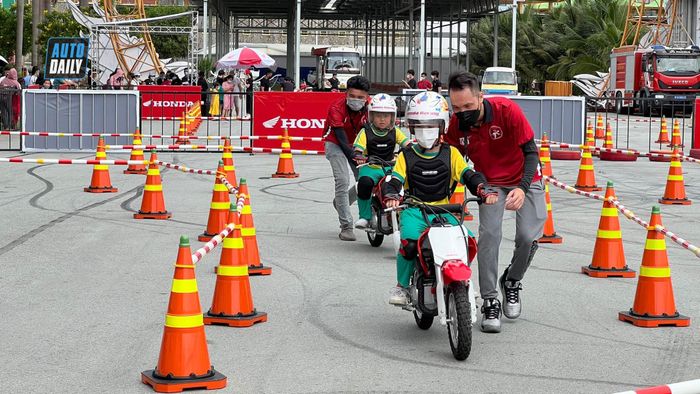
pixel 666 77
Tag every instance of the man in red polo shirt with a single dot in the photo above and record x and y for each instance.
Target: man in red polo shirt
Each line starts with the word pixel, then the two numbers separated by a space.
pixel 346 117
pixel 495 135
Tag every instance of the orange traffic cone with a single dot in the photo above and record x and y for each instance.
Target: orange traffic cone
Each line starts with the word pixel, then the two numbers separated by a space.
pixel 586 174
pixel 285 165
pixel 100 182
pixel 549 236
pixel 233 301
pixel 229 166
pixel 218 211
pixel 457 197
pixel 663 133
pixel 676 135
pixel 675 187
pixel 153 204
pixel 184 358
pixel 545 158
pixel 182 132
pixel 250 241
pixel 608 143
pixel 654 305
pixel 136 154
pixel 599 128
pixel 590 138
pixel 608 252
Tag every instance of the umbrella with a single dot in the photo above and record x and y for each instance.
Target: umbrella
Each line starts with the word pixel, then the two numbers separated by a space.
pixel 244 58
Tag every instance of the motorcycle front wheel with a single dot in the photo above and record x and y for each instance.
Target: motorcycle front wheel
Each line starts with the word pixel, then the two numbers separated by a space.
pixel 459 325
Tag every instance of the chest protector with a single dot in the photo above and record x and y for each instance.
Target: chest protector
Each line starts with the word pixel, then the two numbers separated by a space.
pixel 382 147
pixel 429 179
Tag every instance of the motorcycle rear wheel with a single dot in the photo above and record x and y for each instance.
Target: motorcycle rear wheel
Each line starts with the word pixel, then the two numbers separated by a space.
pixel 459 325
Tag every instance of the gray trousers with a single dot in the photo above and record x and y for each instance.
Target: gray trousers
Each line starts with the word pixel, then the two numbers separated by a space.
pixel 344 177
pixel 529 221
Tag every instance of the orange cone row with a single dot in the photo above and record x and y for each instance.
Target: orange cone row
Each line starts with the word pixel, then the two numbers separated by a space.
pixel 229 166
pixel 676 135
pixel 100 181
pixel 608 252
pixel 599 128
pixel 663 133
pixel 549 236
pixel 654 304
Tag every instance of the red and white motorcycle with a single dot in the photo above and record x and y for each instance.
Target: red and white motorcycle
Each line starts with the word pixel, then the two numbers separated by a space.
pixel 441 284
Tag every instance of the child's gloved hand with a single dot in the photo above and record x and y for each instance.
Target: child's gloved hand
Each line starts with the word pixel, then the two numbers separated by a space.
pixel 487 193
pixel 359 158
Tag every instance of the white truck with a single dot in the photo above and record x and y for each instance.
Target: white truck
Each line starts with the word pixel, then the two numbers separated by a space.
pixel 344 62
pixel 500 80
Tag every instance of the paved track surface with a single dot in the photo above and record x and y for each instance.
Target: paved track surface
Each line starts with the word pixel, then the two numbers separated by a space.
pixel 84 290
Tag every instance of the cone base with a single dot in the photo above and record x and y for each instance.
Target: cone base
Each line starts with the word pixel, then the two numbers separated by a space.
pixel 138 172
pixel 614 156
pixel 204 237
pixel 468 216
pixel 664 159
pixel 595 188
pixel 672 201
pixel 235 321
pixel 108 189
pixel 215 382
pixel 670 145
pixel 565 155
pixel 259 270
pixel 608 273
pixel 285 175
pixel 551 239
pixel 153 215
pixel 662 142
pixel 656 321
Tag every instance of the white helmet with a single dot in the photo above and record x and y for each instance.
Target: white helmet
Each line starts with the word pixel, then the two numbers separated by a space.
pixel 428 117
pixel 382 103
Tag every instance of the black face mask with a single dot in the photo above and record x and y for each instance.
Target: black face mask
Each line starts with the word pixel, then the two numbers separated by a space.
pixel 467 119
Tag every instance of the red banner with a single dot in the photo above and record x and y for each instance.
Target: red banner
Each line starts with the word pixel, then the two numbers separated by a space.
pixel 303 114
pixel 167 101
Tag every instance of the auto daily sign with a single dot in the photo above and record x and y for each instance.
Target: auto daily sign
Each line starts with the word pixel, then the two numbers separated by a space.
pixel 66 57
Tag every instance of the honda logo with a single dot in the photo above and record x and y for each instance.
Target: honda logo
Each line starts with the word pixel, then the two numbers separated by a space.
pixel 294 123
pixel 167 104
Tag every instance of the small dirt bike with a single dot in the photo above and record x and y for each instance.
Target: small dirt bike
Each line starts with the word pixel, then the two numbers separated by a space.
pixel 441 283
pixel 381 222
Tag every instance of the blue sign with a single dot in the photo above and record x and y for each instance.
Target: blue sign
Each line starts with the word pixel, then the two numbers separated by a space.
pixel 66 58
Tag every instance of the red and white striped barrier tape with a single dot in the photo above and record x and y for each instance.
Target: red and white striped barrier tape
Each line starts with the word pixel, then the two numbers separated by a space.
pixel 73 161
pixel 232 189
pixel 209 246
pixel 157 136
pixel 630 152
pixel 185 169
pixel 164 147
pixel 628 214
pixel 277 150
pixel 687 387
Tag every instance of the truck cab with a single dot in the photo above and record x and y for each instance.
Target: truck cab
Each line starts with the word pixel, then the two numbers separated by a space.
pixel 500 80
pixel 342 61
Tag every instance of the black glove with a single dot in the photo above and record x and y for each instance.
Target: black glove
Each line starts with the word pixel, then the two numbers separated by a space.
pixel 484 190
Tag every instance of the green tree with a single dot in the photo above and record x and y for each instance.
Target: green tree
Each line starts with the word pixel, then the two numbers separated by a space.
pixel 8 33
pixel 58 24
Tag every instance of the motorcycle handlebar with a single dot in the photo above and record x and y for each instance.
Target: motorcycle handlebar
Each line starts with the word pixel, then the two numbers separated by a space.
pixel 452 208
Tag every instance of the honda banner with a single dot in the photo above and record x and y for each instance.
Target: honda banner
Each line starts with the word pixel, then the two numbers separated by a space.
pixel 303 114
pixel 167 101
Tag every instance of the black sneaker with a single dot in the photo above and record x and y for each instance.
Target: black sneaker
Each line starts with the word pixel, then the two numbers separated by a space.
pixel 491 315
pixel 510 289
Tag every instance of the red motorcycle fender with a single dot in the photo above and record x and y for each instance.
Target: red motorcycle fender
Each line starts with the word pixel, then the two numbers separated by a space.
pixel 455 271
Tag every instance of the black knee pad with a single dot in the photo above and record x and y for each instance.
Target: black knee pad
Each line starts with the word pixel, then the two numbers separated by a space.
pixel 409 248
pixel 364 187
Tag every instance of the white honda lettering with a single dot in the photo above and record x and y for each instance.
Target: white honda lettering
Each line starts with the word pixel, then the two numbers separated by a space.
pixel 288 123
pixel 303 123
